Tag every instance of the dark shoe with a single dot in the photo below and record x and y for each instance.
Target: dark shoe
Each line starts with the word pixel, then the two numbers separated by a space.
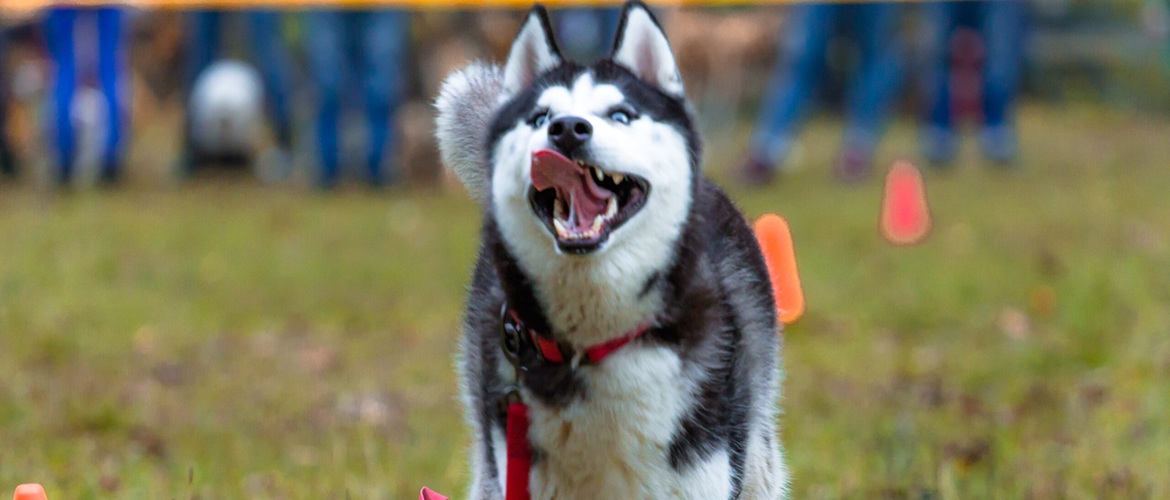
pixel 999 146
pixel 940 147
pixel 108 180
pixel 378 183
pixel 328 177
pixel 756 172
pixel 110 175
pixel 327 183
pixel 852 166
pixel 274 165
pixel 63 177
pixel 7 163
pixel 382 178
pixel 184 165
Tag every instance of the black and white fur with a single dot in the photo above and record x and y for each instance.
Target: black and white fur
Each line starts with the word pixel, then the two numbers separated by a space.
pixel 689 410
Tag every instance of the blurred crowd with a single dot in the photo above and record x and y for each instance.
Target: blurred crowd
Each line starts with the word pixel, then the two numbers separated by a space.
pixel 345 93
pixel 978 45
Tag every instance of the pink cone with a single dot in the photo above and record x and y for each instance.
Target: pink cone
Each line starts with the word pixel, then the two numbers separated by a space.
pixel 905 218
pixel 428 494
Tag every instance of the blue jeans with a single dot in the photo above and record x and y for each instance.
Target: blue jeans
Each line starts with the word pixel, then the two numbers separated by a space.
pixel 342 46
pixel 268 50
pixel 59 28
pixel 1002 25
pixel 586 34
pixel 791 90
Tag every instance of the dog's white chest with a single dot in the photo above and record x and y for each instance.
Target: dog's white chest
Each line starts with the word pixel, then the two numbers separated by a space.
pixel 615 443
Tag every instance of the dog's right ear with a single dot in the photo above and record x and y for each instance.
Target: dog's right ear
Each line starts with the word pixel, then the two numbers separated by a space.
pixel 533 52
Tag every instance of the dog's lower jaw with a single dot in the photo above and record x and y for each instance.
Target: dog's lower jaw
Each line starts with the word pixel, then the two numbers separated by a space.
pixel 588 299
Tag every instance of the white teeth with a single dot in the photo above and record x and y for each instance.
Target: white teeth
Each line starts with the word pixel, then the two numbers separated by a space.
pixel 564 211
pixel 559 209
pixel 601 175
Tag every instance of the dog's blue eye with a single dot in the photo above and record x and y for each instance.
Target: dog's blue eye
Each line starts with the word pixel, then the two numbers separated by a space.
pixel 540 119
pixel 620 117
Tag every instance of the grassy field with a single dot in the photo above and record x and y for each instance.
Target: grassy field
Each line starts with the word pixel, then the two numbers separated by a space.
pixel 227 341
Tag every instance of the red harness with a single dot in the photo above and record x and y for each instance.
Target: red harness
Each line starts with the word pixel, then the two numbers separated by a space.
pixel 514 335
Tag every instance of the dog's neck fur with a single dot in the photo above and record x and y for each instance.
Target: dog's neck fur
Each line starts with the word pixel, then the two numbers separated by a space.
pixel 581 300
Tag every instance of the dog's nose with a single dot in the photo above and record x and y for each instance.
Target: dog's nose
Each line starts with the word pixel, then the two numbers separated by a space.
pixel 568 133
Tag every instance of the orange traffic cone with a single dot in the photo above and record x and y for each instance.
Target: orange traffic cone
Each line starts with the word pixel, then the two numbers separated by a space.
pixel 775 241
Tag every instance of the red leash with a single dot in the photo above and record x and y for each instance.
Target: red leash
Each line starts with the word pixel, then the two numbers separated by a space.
pixel 513 336
pixel 519 452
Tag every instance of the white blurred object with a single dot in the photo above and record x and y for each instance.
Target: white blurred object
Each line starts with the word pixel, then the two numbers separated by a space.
pixel 226 110
pixel 89 114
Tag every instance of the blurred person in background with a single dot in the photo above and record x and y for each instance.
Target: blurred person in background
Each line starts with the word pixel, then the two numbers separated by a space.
pixel 586 34
pixel 977 74
pixel 7 157
pixel 270 53
pixel 105 118
pixel 349 47
pixel 872 87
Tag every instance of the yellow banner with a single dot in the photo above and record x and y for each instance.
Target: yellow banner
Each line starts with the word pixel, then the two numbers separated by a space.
pixel 27 5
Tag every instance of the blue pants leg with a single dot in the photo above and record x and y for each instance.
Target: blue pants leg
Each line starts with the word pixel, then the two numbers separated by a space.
pixel 1003 33
pixel 110 72
pixel 326 53
pixel 791 87
pixel 939 141
pixel 876 82
pixel 384 39
pixel 1003 29
pixel 202 45
pixel 203 29
pixel 59 35
pixel 275 65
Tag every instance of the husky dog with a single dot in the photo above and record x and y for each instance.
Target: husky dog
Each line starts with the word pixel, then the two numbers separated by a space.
pixel 601 235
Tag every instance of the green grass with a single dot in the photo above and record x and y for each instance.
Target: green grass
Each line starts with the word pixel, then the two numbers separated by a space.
pixel 227 341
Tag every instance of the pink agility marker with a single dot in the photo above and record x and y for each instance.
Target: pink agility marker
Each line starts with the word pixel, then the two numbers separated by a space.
pixel 31 491
pixel 905 218
pixel 427 494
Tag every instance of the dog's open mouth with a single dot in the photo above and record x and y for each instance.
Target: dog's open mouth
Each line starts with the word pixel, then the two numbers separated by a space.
pixel 580 203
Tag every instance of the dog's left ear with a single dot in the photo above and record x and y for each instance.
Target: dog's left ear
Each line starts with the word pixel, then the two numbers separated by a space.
pixel 641 47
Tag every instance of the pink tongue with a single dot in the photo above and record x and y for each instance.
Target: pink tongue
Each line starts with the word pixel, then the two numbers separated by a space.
pixel 551 169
